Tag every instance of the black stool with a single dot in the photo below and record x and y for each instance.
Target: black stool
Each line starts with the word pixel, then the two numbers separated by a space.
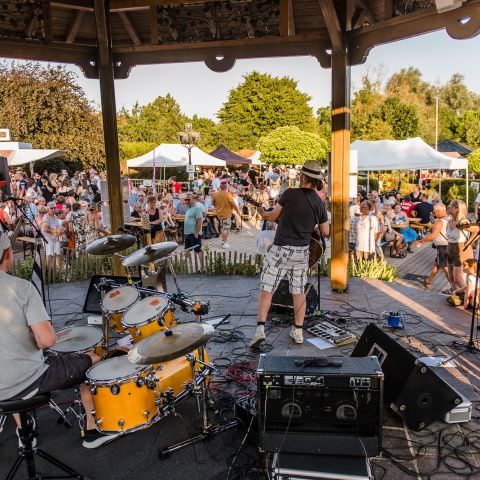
pixel 27 433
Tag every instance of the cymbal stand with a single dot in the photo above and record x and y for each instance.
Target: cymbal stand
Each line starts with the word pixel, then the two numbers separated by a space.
pixel 209 430
pixel 101 287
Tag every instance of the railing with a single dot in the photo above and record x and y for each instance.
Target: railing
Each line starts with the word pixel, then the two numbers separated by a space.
pixel 81 266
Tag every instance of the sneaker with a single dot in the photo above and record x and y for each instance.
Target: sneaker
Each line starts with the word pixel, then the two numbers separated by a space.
pixel 446 291
pixel 34 439
pixel 297 334
pixel 94 439
pixel 257 339
pixel 225 245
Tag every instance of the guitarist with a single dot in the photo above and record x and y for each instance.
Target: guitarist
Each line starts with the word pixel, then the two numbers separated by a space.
pixel 298 211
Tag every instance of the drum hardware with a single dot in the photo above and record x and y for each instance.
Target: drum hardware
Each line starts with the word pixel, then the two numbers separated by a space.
pixel 110 244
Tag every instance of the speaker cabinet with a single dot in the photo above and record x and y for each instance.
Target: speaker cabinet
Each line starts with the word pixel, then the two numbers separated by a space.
pixel 282 301
pixel 411 389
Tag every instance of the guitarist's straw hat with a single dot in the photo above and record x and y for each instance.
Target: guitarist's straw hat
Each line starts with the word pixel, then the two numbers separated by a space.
pixel 312 169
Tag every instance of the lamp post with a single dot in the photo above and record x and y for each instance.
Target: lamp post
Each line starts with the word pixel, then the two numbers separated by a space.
pixel 189 139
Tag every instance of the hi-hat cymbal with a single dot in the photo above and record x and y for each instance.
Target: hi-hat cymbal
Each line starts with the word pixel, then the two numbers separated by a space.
pixel 149 254
pixel 169 344
pixel 110 244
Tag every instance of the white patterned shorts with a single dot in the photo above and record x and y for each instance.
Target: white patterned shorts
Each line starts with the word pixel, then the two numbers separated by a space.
pixel 287 261
pixel 225 224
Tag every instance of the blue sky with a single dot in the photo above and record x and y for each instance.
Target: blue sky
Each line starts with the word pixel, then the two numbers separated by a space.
pixel 199 90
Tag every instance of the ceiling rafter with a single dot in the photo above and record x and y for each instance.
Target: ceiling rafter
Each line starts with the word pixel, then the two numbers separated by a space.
pixel 74 27
pixel 332 23
pixel 129 28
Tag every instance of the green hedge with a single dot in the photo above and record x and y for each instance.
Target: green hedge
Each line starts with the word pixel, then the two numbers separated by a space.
pixel 454 189
pixel 362 182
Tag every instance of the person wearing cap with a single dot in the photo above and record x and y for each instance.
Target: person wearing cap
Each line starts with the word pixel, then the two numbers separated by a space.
pixel 298 211
pixel 26 332
pixel 53 230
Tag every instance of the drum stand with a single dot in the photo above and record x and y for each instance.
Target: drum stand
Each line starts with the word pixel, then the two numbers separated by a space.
pixel 209 430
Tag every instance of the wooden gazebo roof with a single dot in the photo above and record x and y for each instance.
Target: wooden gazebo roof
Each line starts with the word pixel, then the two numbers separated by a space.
pixel 218 32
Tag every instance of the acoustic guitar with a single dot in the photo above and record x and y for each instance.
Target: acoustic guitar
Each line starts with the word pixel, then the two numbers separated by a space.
pixel 317 245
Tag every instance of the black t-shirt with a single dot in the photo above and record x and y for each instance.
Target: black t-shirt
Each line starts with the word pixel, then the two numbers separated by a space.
pixel 424 209
pixel 415 197
pixel 46 194
pixel 297 220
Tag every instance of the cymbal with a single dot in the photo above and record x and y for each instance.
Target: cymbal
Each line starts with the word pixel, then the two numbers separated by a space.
pixel 110 244
pixel 149 254
pixel 169 344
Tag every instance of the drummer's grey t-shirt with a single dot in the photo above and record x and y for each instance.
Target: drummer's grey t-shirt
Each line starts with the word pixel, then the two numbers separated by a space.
pixel 21 361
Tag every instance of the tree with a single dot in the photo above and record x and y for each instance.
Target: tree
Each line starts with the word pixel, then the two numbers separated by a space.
pixel 324 119
pixel 157 122
pixel 263 103
pixel 474 162
pixel 401 117
pixel 129 150
pixel 456 95
pixel 292 146
pixel 468 128
pixel 45 106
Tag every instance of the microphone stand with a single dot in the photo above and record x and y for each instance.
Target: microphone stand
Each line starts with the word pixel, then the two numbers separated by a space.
pixel 470 347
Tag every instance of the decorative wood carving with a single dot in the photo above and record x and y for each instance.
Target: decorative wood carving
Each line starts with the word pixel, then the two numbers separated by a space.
pixel 402 7
pixel 219 65
pixel 23 19
pixel 464 27
pixel 222 20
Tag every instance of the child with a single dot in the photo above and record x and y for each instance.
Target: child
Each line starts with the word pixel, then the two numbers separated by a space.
pixel 469 268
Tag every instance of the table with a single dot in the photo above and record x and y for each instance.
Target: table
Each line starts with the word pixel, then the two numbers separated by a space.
pixel 141 227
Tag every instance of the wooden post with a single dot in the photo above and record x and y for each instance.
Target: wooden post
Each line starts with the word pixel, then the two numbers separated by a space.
pixel 340 167
pixel 109 116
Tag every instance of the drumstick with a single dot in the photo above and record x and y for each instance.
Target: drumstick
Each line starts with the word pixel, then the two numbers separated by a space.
pixel 62 339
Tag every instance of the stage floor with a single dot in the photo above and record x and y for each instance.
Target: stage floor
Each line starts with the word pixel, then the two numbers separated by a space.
pixel 432 327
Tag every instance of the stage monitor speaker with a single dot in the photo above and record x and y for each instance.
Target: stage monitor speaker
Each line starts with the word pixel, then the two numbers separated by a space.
pixel 413 390
pixel 282 302
pixel 4 177
pixel 93 300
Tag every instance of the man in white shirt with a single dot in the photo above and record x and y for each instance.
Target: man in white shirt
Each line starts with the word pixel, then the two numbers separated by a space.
pixel 216 182
pixel 52 229
pixel 368 232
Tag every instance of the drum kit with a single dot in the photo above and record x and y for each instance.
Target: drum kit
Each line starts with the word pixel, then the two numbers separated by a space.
pixel 134 388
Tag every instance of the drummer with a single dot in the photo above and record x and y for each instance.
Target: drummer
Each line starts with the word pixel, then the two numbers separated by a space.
pixel 26 332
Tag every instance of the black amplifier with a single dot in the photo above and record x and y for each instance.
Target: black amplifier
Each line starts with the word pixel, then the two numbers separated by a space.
pixel 326 405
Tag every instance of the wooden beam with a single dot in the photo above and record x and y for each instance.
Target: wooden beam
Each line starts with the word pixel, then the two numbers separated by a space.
pixel 129 28
pixel 83 5
pixel 332 23
pixel 388 9
pixel 363 15
pixel 109 117
pixel 340 169
pixel 74 27
pixel 153 25
pixel 296 45
pixel 362 40
pixel 349 12
pixel 287 20
pixel 80 55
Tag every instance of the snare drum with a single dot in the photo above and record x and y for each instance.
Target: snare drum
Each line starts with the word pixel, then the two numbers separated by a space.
pixel 78 339
pixel 123 395
pixel 148 316
pixel 116 302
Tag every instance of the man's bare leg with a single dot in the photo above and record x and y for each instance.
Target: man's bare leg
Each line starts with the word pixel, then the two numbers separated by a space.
pixel 264 303
pixel 300 307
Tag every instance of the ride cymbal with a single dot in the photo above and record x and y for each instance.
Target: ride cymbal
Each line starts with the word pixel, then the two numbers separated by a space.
pixel 149 254
pixel 169 344
pixel 110 244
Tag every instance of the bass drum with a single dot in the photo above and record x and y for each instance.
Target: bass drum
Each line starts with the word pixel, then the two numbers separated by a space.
pixel 123 395
pixel 116 302
pixel 148 316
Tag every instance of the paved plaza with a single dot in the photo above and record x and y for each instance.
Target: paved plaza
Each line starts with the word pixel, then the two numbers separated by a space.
pixel 430 325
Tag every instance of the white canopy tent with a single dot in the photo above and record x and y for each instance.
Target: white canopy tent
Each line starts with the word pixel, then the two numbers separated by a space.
pixel 174 155
pixel 410 154
pixel 22 157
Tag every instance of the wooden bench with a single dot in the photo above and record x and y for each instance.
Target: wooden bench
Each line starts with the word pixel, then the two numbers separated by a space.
pixel 27 242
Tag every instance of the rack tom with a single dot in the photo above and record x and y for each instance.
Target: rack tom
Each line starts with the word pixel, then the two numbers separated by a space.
pixel 123 395
pixel 148 316
pixel 78 339
pixel 116 302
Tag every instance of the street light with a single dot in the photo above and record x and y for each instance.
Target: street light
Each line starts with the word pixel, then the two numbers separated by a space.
pixel 189 139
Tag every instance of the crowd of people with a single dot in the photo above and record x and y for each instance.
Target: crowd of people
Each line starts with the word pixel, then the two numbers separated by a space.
pixel 68 210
